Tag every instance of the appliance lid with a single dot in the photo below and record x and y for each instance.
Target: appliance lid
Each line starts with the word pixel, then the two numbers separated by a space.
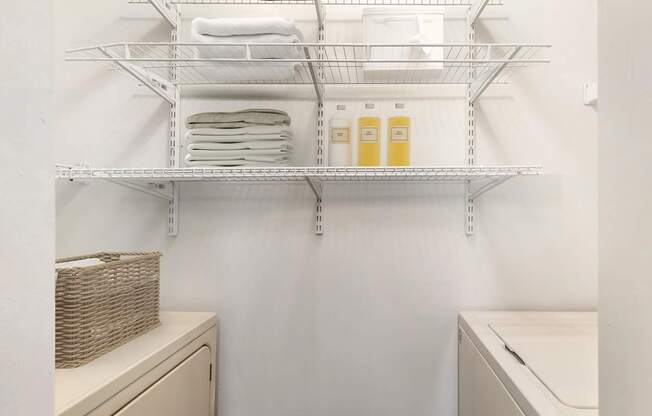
pixel 562 355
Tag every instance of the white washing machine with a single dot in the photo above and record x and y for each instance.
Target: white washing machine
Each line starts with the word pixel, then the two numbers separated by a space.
pixel 528 364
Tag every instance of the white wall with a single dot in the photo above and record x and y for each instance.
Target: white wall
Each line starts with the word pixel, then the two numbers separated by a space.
pixel 625 226
pixel 363 319
pixel 27 211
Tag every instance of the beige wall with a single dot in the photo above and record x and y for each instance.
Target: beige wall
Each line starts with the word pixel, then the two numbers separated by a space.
pixel 625 204
pixel 26 210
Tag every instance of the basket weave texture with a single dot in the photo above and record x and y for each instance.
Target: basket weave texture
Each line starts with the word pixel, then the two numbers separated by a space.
pixel 101 307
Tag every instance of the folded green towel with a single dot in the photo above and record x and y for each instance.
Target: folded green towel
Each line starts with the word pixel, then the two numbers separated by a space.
pixel 244 118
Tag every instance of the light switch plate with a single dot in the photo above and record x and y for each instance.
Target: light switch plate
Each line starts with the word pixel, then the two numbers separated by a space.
pixel 590 93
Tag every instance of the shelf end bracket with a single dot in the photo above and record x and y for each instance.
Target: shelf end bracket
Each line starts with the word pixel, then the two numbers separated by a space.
pixel 476 9
pixel 317 188
pixel 158 85
pixel 167 10
pixel 478 87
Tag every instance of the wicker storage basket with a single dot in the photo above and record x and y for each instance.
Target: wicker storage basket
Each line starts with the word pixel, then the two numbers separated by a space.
pixel 102 306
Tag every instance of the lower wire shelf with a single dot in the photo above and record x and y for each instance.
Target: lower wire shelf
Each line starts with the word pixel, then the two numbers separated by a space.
pixel 280 174
pixel 164 182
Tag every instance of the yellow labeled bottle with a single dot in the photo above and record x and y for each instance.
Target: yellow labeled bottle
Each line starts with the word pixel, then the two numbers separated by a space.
pixel 399 130
pixel 369 139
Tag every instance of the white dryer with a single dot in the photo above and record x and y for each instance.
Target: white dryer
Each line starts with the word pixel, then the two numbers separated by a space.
pixel 528 364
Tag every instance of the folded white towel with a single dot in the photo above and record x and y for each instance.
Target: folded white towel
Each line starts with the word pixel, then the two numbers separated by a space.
pixel 241 161
pixel 256 145
pixel 245 138
pixel 249 130
pixel 245 26
pixel 257 52
pixel 223 73
pixel 235 163
pixel 233 154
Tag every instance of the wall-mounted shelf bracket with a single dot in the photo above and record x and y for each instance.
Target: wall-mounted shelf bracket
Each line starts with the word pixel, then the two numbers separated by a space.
pixel 166 9
pixel 476 9
pixel 316 77
pixel 472 193
pixel 482 188
pixel 320 13
pixel 159 190
pixel 479 86
pixel 157 84
pixel 317 188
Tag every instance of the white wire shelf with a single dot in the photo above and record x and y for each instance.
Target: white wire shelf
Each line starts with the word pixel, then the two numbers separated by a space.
pixel 312 63
pixel 284 174
pixel 332 2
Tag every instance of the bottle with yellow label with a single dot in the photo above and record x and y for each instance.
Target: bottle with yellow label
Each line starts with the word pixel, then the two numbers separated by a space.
pixel 339 143
pixel 369 139
pixel 399 129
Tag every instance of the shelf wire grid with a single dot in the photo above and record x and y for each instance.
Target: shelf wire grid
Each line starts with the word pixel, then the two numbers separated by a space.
pixel 290 174
pixel 465 3
pixel 239 63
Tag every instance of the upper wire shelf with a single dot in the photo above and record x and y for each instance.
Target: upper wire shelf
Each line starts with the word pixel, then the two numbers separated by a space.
pixel 312 63
pixel 333 2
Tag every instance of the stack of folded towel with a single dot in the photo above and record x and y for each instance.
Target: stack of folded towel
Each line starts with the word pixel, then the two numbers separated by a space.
pixel 242 138
pixel 224 32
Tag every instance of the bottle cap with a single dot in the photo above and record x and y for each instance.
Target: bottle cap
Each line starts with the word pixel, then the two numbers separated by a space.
pixel 399 106
pixel 341 107
pixel 370 106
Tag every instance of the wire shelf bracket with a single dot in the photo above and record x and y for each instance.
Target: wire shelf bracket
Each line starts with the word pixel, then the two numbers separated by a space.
pixel 475 11
pixel 157 84
pixel 156 189
pixel 167 9
pixel 479 86
pixel 317 188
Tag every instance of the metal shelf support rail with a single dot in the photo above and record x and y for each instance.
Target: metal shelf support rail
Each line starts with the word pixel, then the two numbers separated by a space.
pixel 469 200
pixel 174 131
pixel 319 78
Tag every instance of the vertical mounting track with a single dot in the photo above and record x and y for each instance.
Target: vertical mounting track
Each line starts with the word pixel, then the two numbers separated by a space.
pixel 469 200
pixel 174 137
pixel 318 79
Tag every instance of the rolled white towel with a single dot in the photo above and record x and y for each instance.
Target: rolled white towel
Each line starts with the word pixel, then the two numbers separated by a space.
pixel 245 26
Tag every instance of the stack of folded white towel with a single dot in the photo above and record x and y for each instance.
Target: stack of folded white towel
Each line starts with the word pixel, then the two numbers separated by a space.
pixel 224 32
pixel 256 137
